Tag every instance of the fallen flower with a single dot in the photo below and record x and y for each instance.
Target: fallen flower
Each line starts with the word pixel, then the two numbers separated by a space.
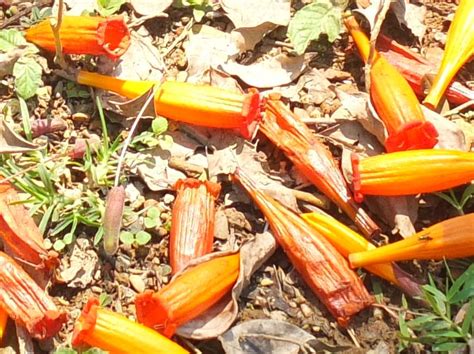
pixel 394 100
pixel 3 322
pixel 201 105
pixel 414 67
pixel 411 172
pixel 458 50
pixel 347 241
pixel 112 221
pixel 192 223
pixel 188 295
pixel 115 333
pixel 26 303
pixel 84 35
pixel 20 233
pixel 449 239
pixel 320 265
pixel 313 160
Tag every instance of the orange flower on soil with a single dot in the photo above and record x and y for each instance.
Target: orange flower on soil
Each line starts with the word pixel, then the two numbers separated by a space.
pixel 3 322
pixel 458 50
pixel 19 232
pixel 313 160
pixel 321 266
pixel 453 238
pixel 347 241
pixel 192 223
pixel 84 35
pixel 188 295
pixel 394 100
pixel 26 303
pixel 202 105
pixel 116 334
pixel 414 67
pixel 411 172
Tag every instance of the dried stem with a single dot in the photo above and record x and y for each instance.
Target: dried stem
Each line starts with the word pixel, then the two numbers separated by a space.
pixel 56 22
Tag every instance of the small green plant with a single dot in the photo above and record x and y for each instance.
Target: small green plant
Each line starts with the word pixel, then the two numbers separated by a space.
pixel 152 218
pixel 458 204
pixel 449 323
pixel 319 17
pixel 140 238
pixel 200 7
pixel 109 7
pixel 154 137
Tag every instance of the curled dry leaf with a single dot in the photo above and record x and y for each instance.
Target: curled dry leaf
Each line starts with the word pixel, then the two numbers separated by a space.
pixel 11 142
pixel 275 71
pixel 271 336
pixel 220 317
pixel 82 265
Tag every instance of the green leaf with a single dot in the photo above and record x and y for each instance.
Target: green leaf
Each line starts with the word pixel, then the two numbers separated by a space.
pixel 109 7
pixel 59 245
pixel 142 238
pixel 105 300
pixel 127 237
pixel 198 13
pixel 447 347
pixel 94 351
pixel 319 17
pixel 65 351
pixel 27 74
pixel 153 212
pixel 468 319
pixel 159 125
pixel 67 239
pixel 460 281
pixel 420 321
pixel 150 223
pixel 11 39
pixel 467 195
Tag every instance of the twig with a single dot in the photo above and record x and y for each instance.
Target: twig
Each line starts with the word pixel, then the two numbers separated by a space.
pixel 56 21
pixel 380 17
pixel 352 334
pixel 458 108
pixel 179 39
pixel 130 135
pixel 191 346
pixel 319 201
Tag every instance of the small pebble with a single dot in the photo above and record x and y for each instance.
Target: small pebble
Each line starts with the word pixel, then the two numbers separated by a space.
pixel 137 283
pixel 307 312
pixel 168 198
pixel 266 282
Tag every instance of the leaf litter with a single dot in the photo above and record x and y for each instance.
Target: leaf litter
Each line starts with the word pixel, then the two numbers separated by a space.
pixel 230 48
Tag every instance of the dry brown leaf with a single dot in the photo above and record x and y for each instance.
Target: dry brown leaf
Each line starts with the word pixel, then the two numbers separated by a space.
pixel 251 13
pixel 11 142
pixel 271 72
pixel 220 317
pixel 79 271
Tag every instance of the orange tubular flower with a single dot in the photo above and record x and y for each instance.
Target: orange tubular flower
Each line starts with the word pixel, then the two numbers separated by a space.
pixel 347 241
pixel 313 160
pixel 411 172
pixel 84 35
pixel 459 49
pixel 116 334
pixel 451 238
pixel 189 295
pixel 3 322
pixel 192 224
pixel 20 233
pixel 26 303
pixel 414 67
pixel 324 270
pixel 201 105
pixel 394 100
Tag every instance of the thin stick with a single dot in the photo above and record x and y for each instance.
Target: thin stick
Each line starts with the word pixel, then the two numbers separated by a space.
pixel 179 39
pixel 458 108
pixel 56 22
pixel 129 137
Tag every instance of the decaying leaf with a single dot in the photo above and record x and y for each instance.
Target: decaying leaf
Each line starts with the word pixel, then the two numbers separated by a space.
pixel 8 60
pixel 77 8
pixel 231 151
pixel 250 13
pixel 150 8
pixel 79 271
pixel 274 71
pixel 271 336
pixel 220 317
pixel 11 142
